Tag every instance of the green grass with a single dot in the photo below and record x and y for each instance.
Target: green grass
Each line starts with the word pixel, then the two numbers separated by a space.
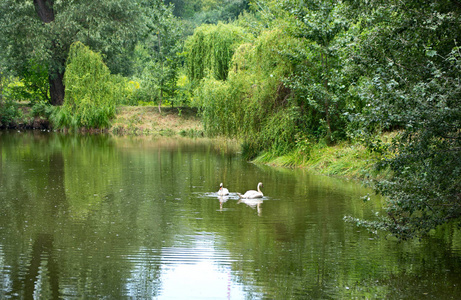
pixel 342 160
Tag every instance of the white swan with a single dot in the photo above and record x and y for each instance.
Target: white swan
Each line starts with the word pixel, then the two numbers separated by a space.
pixel 222 190
pixel 251 194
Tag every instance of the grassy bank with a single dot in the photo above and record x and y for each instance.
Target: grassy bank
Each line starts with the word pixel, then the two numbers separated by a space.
pixel 147 120
pixel 346 160
pixel 129 120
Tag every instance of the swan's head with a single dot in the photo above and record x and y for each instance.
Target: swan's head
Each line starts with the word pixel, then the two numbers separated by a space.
pixel 260 184
pixel 220 186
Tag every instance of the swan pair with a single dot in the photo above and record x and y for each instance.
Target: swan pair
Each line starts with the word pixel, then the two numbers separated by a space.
pixel 251 194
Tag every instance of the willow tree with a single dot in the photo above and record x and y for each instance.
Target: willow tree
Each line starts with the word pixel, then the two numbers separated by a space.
pixel 317 81
pixel 90 94
pixel 210 50
pixel 43 30
pixel 253 103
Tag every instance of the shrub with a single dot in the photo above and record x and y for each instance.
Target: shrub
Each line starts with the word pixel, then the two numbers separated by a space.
pixel 8 112
pixel 91 91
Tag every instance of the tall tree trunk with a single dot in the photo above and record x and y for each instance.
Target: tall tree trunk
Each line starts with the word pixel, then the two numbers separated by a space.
pixel 45 12
pixel 56 88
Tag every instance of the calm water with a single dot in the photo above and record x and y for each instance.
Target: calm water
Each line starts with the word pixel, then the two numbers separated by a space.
pixel 91 217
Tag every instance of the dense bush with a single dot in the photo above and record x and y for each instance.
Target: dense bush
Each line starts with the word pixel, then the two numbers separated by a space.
pixel 32 86
pixel 8 112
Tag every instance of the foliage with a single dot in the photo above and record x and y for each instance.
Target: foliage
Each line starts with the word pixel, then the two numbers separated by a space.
pixel 158 57
pixel 295 71
pixel 210 50
pixel 208 11
pixel 128 91
pixel 408 76
pixel 90 95
pixel 318 81
pixel 183 94
pixel 425 190
pixel 8 112
pixel 32 87
pixel 253 102
pixel 42 109
pixel 9 109
pixel 37 38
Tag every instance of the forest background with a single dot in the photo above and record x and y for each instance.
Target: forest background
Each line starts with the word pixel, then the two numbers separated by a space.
pixel 289 79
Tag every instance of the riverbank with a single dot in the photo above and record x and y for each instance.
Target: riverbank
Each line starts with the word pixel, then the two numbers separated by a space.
pixel 147 120
pixel 344 159
pixel 129 120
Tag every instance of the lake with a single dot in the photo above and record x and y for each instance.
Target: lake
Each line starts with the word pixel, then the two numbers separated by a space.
pixel 101 217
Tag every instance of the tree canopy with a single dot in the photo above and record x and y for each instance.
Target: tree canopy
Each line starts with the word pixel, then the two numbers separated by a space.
pixel 408 60
pixel 40 32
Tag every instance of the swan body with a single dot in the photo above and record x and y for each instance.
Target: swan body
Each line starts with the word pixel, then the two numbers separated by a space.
pixel 252 194
pixel 222 190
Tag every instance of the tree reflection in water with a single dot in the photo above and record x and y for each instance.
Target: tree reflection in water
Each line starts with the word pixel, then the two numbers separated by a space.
pixel 113 217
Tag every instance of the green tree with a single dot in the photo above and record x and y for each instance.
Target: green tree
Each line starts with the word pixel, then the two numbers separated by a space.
pixel 407 63
pixel 160 57
pixel 317 81
pixel 90 94
pixel 210 50
pixel 43 30
pixel 253 103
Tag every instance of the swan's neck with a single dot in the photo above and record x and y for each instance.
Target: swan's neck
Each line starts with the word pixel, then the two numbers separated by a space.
pixel 259 190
